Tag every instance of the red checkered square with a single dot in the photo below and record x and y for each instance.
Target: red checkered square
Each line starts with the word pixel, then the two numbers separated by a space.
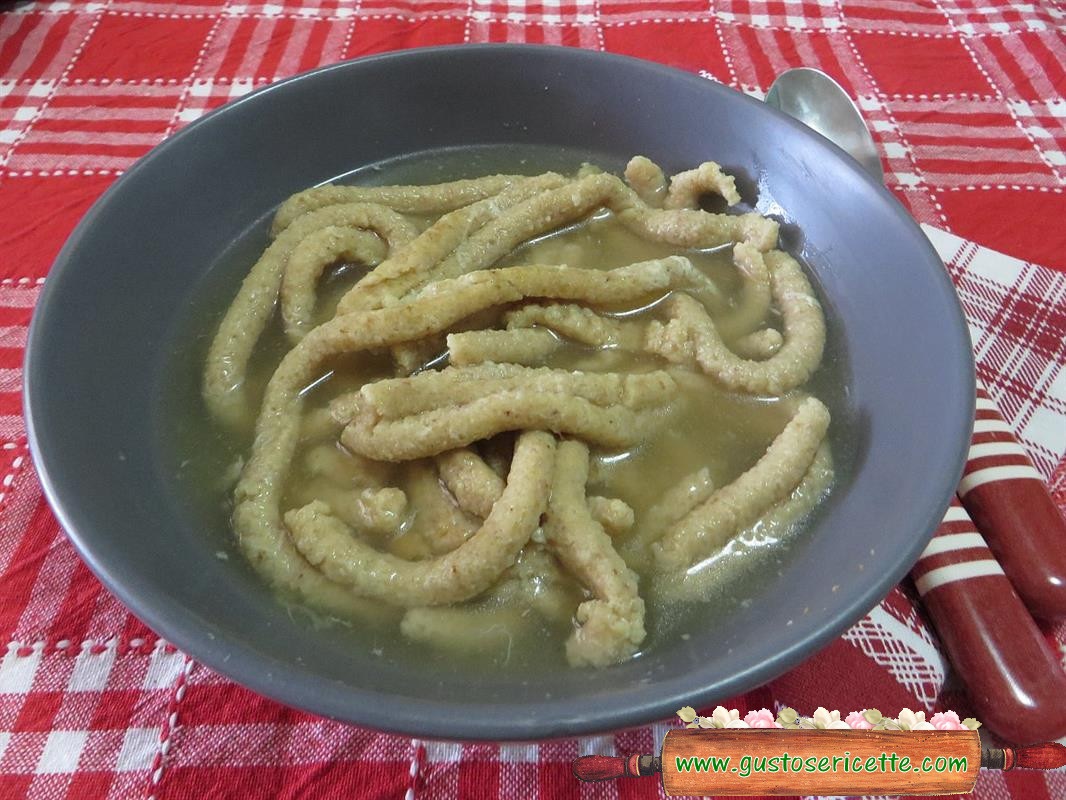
pixel 960 142
pixel 118 47
pixel 36 225
pixel 256 748
pixel 166 7
pixel 918 66
pixel 369 779
pixel 38 713
pixel 118 708
pixel 904 16
pixel 982 16
pixel 795 15
pixel 271 47
pixel 381 34
pixel 1025 66
pixel 210 699
pixel 21 293
pixel 545 12
pixel 21 555
pixel 760 54
pixel 981 215
pixel 41 572
pixel 302 9
pixel 617 12
pixel 584 36
pixel 412 9
pixel 40 46
pixel 97 127
pixel 697 47
pixel 89 613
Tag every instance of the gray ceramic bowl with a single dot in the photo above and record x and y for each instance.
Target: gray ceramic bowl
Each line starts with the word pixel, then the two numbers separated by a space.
pixel 102 336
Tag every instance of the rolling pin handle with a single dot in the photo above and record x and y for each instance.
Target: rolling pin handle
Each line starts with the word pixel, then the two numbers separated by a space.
pixel 1049 755
pixel 607 768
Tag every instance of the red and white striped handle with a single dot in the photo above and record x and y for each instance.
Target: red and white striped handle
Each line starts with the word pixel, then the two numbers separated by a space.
pixel 1008 500
pixel 1016 683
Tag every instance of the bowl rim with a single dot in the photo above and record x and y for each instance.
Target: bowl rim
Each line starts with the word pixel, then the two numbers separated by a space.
pixel 288 684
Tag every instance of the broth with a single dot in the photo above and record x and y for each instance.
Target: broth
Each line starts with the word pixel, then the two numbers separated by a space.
pixel 703 427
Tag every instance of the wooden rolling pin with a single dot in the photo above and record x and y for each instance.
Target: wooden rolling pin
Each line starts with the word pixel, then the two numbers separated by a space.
pixel 1010 504
pixel 1017 685
pixel 798 747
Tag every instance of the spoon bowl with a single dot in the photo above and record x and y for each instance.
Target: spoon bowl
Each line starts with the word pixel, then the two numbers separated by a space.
pixel 822 104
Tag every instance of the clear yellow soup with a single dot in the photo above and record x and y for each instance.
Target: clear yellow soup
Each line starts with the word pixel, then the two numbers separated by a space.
pixel 703 427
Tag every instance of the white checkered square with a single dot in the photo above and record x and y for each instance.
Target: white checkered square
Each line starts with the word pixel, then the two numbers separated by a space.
pixel 20 103
pixel 206 95
pixel 534 12
pixel 959 142
pixel 791 15
pixel 61 751
pixel 412 9
pixel 588 37
pixel 104 125
pixel 1044 123
pixel 18 668
pixel 972 17
pixel 909 17
pixel 631 12
pixel 302 9
pixel 181 9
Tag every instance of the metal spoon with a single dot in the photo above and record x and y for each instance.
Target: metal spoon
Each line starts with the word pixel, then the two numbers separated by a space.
pixel 820 103
pixel 1006 665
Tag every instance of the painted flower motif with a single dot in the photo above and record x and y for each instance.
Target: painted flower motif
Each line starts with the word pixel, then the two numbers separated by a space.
pixel 761 719
pixel 912 721
pixel 721 717
pixel 946 721
pixel 858 722
pixel 824 719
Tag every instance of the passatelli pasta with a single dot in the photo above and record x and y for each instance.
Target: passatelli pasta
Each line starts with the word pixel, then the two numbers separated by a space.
pixel 480 421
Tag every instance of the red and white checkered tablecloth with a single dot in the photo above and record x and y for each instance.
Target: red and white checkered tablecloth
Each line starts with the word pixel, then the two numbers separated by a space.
pixel 966 101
